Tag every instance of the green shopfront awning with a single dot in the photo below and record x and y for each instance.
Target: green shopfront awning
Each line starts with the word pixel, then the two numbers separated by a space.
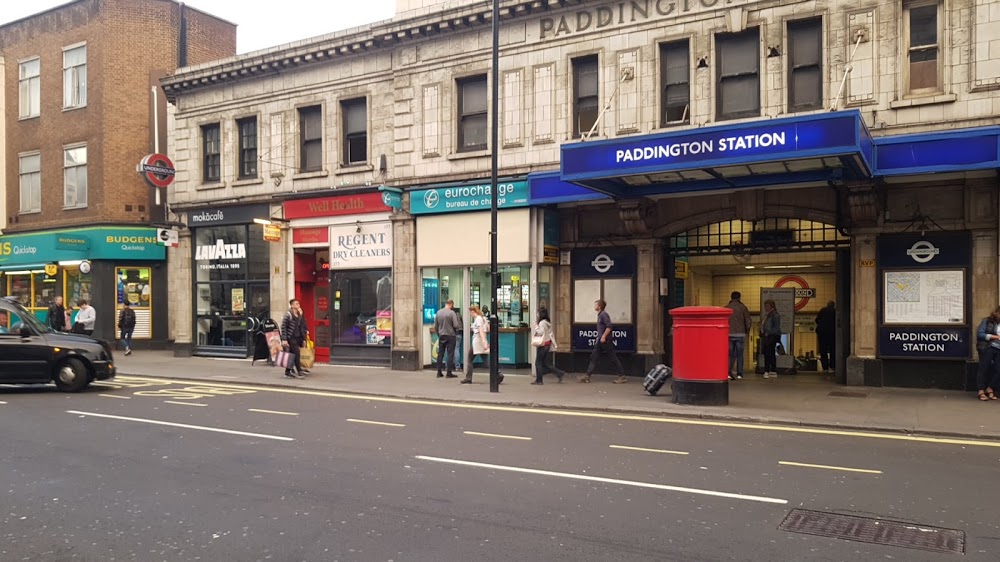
pixel 97 243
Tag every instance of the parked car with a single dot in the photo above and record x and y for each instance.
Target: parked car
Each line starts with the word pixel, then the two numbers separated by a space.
pixel 33 353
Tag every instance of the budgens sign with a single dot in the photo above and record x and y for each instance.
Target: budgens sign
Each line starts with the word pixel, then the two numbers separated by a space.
pixel 475 197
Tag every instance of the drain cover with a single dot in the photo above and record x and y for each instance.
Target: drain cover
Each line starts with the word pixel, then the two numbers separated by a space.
pixel 875 531
pixel 846 394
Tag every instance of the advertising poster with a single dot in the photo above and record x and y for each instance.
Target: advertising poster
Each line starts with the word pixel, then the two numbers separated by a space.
pixel 239 304
pixel 383 324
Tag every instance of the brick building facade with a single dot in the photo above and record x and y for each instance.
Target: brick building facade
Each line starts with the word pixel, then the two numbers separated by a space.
pixel 77 119
pixel 670 86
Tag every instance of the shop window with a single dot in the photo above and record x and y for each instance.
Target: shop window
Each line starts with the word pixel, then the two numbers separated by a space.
pixel 75 77
pixel 311 139
pixel 30 169
pixel 211 149
pixel 222 312
pixel 135 287
pixel 362 307
pixel 738 69
pixel 30 88
pixel 248 147
pixel 923 69
pixel 221 253
pixel 805 65
pixel 675 72
pixel 513 294
pixel 78 286
pixel 586 104
pixel 355 115
pixel 258 254
pixel 617 293
pixel 75 177
pixel 472 114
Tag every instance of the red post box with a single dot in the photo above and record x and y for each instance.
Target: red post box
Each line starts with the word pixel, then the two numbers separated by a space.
pixel 701 355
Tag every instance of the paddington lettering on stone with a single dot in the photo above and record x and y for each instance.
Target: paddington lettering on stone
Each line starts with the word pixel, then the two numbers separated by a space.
pixel 624 13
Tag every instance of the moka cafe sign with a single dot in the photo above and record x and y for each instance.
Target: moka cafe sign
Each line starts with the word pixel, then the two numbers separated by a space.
pixel 617 14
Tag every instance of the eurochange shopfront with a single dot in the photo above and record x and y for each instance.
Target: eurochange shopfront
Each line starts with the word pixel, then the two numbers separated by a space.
pixel 106 266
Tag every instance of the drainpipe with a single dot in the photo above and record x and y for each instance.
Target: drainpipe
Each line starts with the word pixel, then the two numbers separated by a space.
pixel 182 40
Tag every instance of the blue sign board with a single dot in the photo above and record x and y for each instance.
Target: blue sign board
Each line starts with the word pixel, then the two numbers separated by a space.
pixel 603 262
pixel 392 197
pixel 585 336
pixel 474 197
pixel 834 134
pixel 547 188
pixel 911 342
pixel 925 153
pixel 931 250
pixel 432 300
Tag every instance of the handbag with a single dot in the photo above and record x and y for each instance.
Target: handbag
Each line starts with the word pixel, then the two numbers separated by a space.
pixel 284 359
pixel 307 357
pixel 537 340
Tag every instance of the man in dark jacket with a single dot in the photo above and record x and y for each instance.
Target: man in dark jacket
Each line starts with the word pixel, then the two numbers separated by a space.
pixel 447 326
pixel 57 315
pixel 826 336
pixel 293 336
pixel 126 324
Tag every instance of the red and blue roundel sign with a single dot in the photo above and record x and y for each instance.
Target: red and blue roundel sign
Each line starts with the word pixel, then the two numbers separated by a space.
pixel 158 170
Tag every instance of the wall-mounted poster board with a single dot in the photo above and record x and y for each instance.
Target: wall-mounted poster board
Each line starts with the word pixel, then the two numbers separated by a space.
pixel 924 296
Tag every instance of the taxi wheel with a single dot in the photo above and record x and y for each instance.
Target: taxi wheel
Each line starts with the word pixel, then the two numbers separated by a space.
pixel 71 376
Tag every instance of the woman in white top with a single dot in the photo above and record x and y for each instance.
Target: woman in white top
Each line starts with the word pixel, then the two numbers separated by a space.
pixel 545 342
pixel 480 342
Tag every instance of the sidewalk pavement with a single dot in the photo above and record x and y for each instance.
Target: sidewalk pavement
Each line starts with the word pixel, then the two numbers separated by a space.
pixel 789 400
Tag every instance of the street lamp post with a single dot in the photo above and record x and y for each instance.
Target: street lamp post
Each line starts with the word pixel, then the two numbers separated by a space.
pixel 494 203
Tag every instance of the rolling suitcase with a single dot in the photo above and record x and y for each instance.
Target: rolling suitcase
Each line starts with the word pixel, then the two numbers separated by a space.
pixel 656 378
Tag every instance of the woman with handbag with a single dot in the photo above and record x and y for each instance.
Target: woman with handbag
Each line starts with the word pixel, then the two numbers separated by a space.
pixel 480 342
pixel 293 336
pixel 988 346
pixel 544 342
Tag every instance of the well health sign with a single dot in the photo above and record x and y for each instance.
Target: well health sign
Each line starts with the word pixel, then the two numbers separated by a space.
pixel 108 243
pixel 475 197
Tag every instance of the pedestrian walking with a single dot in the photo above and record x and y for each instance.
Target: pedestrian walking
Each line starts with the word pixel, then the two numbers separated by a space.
pixel 739 326
pixel 446 326
pixel 826 336
pixel 988 346
pixel 480 342
pixel 770 335
pixel 85 319
pixel 544 342
pixel 57 315
pixel 603 345
pixel 126 324
pixel 293 337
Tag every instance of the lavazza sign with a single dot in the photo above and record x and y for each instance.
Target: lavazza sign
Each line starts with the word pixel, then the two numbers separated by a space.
pixel 220 251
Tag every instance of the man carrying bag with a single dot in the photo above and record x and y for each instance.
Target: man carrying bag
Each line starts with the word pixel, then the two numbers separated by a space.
pixel 293 337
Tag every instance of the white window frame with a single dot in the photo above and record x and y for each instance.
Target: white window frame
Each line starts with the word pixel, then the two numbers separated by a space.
pixel 34 91
pixel 907 48
pixel 75 81
pixel 76 203
pixel 34 196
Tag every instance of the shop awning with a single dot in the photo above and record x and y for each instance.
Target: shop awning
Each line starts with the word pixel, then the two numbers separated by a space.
pixel 788 150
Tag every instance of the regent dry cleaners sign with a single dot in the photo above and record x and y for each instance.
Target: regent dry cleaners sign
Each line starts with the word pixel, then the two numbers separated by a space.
pixel 629 13
pixel 361 246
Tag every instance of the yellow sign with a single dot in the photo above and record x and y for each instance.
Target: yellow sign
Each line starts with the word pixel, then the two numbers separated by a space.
pixel 51 269
pixel 514 279
pixel 680 269
pixel 867 263
pixel 272 233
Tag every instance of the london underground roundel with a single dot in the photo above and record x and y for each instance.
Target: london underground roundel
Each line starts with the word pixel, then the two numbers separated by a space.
pixel 158 170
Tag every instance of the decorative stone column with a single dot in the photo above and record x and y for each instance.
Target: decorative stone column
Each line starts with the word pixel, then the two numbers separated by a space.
pixel 649 308
pixel 864 309
pixel 407 294
pixel 181 301
pixel 984 279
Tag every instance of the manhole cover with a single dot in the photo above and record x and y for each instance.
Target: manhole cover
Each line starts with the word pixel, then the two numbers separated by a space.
pixel 875 531
pixel 846 394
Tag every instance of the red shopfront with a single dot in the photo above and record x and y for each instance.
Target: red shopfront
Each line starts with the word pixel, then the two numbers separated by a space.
pixel 342 247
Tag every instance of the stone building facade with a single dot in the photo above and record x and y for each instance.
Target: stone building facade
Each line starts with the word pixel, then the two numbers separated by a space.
pixel 76 111
pixel 636 102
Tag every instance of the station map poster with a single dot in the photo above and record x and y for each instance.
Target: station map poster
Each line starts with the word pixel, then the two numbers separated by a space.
pixel 924 297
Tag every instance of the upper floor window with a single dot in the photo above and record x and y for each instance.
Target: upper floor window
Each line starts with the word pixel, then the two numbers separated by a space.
pixel 586 85
pixel 675 73
pixel 805 64
pixel 923 48
pixel 355 115
pixel 211 153
pixel 738 64
pixel 311 141
pixel 30 170
pixel 75 177
pixel 75 77
pixel 472 114
pixel 248 147
pixel 29 88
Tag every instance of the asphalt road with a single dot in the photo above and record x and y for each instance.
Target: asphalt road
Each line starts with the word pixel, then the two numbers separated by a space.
pixel 156 470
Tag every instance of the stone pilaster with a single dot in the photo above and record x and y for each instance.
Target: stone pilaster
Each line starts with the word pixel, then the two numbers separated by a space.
pixel 407 294
pixel 984 277
pixel 281 273
pixel 864 308
pixel 179 305
pixel 649 308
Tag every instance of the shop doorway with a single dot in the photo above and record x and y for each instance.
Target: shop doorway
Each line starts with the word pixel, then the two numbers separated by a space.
pixel 312 288
pixel 801 265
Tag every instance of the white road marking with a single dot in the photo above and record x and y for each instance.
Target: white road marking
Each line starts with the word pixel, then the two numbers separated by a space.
pixel 645 450
pixel 370 422
pixel 497 435
pixel 1 402
pixel 116 396
pixel 828 467
pixel 181 425
pixel 697 491
pixel 272 412
pixel 185 403
pixel 224 377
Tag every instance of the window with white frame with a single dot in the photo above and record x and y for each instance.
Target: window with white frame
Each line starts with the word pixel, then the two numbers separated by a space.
pixel 211 153
pixel 75 177
pixel 30 175
pixel 30 88
pixel 75 77
pixel 923 49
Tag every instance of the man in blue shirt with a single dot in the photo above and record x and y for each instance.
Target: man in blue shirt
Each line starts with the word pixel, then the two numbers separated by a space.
pixel 604 345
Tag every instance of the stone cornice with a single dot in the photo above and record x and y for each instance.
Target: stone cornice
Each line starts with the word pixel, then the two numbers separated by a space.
pixel 349 43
